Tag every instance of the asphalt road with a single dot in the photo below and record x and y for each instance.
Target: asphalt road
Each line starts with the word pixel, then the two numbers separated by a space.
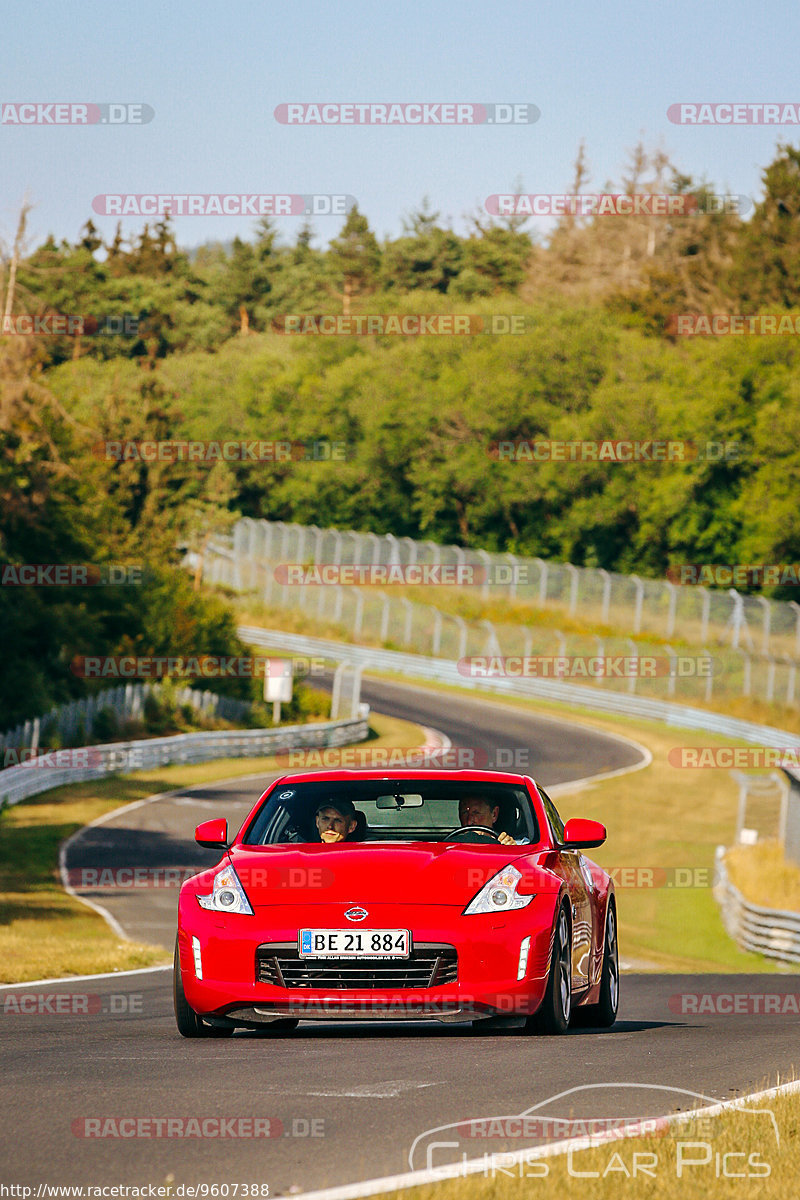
pixel 88 1089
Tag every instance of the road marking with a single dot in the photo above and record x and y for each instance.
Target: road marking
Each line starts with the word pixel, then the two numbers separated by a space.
pixel 375 1091
pixel 77 978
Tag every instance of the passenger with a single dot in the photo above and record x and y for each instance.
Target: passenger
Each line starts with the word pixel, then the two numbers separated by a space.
pixel 336 821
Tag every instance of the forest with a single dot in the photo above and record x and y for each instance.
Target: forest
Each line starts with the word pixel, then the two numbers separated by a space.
pixel 574 339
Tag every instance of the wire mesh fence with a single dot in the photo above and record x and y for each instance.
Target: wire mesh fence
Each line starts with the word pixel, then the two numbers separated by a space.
pixel 742 646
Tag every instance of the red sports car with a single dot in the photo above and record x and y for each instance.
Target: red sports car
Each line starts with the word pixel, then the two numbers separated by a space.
pixel 454 896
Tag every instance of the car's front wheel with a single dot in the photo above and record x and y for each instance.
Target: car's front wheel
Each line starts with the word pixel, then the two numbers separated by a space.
pixel 190 1023
pixel 556 1008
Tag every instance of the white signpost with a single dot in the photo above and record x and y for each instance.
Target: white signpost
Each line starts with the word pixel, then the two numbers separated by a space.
pixel 278 682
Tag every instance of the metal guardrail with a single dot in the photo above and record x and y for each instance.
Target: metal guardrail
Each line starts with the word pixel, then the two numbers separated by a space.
pixel 127 700
pixel 17 783
pixel 772 932
pixel 444 670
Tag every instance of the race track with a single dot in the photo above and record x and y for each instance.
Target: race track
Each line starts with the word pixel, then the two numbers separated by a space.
pixel 344 1102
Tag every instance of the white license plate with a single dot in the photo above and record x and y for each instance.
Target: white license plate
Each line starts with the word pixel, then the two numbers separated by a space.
pixel 354 943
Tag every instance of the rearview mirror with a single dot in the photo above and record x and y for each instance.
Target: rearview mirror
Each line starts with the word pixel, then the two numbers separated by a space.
pixel 212 834
pixel 408 800
pixel 580 834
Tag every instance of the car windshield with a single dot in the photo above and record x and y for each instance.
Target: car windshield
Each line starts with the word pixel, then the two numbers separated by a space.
pixel 395 810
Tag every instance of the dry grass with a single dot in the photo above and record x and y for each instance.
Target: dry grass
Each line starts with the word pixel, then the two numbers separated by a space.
pixel 682 1163
pixel 763 875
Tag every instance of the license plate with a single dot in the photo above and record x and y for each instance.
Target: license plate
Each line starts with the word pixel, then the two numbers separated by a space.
pixel 354 943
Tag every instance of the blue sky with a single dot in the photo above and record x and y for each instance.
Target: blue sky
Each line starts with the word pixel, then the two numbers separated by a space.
pixel 604 73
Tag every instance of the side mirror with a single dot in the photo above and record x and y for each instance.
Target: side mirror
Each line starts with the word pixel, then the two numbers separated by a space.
pixel 212 834
pixel 580 834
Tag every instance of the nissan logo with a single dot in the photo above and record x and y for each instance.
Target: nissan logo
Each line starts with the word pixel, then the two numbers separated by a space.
pixel 356 914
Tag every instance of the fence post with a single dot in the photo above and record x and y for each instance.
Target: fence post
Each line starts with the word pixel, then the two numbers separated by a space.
pixel 710 676
pixel 673 599
pixel 437 632
pixel 747 670
pixel 601 650
pixel 637 612
pixel 412 550
pixel 385 618
pixel 409 617
pixel 705 612
pixel 543 573
pixel 606 594
pixel 672 674
pixel 483 555
pixel 573 588
pixel 635 665
pixel 793 604
pixel 767 623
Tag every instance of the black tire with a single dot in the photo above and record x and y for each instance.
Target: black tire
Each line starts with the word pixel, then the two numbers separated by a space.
pixel 554 1014
pixel 191 1024
pixel 603 1014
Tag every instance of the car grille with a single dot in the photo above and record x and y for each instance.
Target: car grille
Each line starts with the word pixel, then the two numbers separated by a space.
pixel 428 965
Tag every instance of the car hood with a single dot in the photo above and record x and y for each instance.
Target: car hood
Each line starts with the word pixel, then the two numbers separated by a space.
pixel 422 873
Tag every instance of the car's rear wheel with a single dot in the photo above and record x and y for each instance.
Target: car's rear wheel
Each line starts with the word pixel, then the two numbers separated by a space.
pixel 190 1023
pixel 556 1008
pixel 604 1013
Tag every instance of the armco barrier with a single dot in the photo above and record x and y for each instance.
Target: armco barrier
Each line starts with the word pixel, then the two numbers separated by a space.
pixel 772 932
pixel 17 783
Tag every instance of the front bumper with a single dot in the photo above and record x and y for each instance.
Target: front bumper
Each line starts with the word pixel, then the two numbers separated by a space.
pixel 488 948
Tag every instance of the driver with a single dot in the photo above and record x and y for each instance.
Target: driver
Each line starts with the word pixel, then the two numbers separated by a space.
pixel 476 810
pixel 335 821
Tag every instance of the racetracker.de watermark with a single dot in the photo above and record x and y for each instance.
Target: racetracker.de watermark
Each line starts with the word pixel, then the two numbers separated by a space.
pixel 399 324
pixel 735 574
pixel 254 450
pixel 612 450
pixel 67 325
pixel 778 324
pixel 69 1004
pixel 741 758
pixel 70 575
pixel 450 758
pixel 452 112
pixel 613 204
pixel 46 758
pixel 223 204
pixel 587 666
pixel 726 1004
pixel 404 574
pixel 201 666
pixel 197 1127
pixel 734 112
pixel 67 112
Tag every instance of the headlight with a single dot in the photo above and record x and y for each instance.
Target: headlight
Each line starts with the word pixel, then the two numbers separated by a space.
pixel 499 894
pixel 227 894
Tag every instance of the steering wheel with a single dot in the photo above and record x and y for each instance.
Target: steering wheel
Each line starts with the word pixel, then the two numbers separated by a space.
pixel 481 829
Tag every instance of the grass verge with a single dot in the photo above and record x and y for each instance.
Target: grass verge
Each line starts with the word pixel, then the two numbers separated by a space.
pixel 46 933
pixel 763 876
pixel 757 1150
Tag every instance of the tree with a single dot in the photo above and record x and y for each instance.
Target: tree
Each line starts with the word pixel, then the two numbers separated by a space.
pixel 354 257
